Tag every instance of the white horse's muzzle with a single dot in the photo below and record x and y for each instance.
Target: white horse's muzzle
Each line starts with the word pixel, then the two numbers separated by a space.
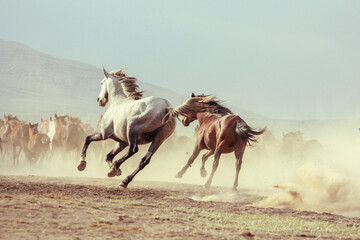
pixel 102 102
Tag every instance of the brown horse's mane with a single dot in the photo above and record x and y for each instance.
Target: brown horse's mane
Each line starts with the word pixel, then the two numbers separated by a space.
pixel 128 84
pixel 202 103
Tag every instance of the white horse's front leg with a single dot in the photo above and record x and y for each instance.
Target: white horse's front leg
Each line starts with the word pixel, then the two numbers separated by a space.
pixel 88 140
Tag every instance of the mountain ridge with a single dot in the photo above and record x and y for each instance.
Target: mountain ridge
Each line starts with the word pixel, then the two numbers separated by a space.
pixel 55 85
pixel 35 85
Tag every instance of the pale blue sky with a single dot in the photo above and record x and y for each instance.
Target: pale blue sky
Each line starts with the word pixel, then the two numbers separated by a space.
pixel 282 59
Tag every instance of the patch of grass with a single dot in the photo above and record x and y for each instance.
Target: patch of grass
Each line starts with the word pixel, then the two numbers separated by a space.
pixel 225 225
pixel 265 224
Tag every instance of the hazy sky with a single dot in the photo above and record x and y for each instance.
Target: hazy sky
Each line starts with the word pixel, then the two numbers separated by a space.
pixel 282 59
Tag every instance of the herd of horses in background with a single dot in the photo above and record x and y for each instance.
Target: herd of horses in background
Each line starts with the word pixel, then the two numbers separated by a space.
pixel 61 134
pixel 131 120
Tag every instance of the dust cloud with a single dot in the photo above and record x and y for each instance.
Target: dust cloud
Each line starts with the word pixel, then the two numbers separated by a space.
pixel 288 170
pixel 294 172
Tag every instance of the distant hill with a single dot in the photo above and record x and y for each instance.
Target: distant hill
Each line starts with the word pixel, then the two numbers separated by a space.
pixel 35 85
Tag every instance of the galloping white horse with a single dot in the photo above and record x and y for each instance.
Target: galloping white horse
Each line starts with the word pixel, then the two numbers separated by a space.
pixel 130 121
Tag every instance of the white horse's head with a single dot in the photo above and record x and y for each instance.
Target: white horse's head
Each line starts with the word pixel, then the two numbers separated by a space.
pixel 116 85
pixel 104 91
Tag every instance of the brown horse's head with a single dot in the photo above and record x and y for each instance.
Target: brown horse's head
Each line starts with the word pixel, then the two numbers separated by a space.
pixel 33 129
pixel 196 105
pixel 188 118
pixel 61 120
pixel 200 104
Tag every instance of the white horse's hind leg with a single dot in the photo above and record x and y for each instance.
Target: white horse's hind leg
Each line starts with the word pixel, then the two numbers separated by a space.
pixel 144 161
pixel 110 156
pixel 161 136
pixel 133 148
pixel 115 167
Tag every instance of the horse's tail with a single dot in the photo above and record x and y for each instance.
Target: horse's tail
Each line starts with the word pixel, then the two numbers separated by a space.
pixel 170 116
pixel 245 131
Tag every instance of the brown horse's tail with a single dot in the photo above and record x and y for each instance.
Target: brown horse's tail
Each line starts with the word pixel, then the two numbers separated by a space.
pixel 245 131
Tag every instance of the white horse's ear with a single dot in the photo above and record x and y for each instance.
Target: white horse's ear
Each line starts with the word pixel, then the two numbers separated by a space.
pixel 105 73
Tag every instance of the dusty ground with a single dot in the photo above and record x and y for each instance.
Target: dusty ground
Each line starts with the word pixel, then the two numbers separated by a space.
pixel 34 207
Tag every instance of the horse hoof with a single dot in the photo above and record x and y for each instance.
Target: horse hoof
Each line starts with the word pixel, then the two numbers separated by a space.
pixel 112 172
pixel 123 185
pixel 207 186
pixel 118 172
pixel 203 173
pixel 82 165
pixel 178 175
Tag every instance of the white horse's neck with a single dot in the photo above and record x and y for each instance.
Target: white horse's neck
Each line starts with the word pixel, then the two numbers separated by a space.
pixel 115 91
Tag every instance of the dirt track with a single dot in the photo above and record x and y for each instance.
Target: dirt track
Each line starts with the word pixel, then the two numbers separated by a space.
pixel 89 208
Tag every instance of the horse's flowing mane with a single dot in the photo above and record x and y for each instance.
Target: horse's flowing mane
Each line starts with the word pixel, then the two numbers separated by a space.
pixel 198 104
pixel 128 84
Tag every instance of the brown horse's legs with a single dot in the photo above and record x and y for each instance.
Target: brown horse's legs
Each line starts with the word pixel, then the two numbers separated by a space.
pixel 239 155
pixel 95 137
pixel 190 161
pixel 238 167
pixel 214 167
pixel 205 157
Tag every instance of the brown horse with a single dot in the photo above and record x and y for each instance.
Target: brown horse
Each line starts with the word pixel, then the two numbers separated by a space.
pixel 5 131
pixel 17 133
pixel 39 143
pixel 219 131
pixel 69 133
